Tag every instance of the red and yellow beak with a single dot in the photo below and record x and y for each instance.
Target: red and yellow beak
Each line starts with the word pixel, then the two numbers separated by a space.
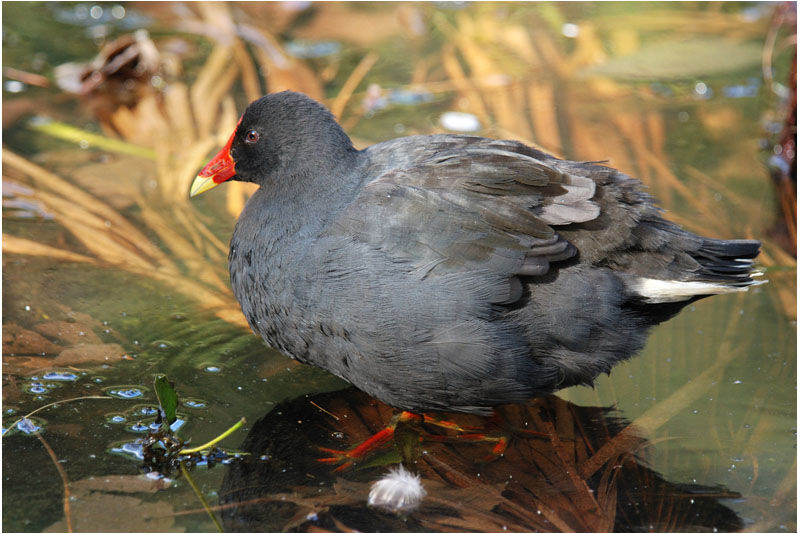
pixel 218 170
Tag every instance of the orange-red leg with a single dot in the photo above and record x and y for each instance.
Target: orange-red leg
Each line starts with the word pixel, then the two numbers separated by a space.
pixel 375 442
pixel 346 458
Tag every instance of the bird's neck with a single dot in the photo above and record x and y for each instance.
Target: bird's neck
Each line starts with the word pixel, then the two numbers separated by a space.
pixel 306 203
pixel 326 179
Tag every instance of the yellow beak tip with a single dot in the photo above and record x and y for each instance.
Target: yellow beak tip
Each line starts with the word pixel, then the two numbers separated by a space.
pixel 201 184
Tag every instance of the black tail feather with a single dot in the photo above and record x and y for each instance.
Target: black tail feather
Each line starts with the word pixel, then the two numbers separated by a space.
pixel 730 262
pixel 732 248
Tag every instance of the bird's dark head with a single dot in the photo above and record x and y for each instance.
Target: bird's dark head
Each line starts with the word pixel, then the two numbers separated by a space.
pixel 281 136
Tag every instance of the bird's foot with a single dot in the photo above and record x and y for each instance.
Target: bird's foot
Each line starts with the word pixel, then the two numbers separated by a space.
pixel 455 433
pixel 500 442
pixel 346 458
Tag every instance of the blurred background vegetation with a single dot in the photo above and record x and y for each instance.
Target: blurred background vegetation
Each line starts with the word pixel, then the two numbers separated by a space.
pixel 109 110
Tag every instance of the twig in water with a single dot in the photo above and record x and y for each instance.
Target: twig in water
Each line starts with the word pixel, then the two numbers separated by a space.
pixel 64 480
pixel 199 494
pixel 320 408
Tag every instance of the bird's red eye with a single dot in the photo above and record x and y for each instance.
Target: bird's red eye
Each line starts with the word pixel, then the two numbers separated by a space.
pixel 251 136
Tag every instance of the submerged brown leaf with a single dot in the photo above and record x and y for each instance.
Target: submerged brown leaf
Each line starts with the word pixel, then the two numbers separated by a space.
pixel 23 366
pixel 90 354
pixel 106 512
pixel 118 484
pixel 18 340
pixel 68 332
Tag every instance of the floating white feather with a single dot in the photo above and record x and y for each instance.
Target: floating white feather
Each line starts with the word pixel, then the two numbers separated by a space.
pixel 399 490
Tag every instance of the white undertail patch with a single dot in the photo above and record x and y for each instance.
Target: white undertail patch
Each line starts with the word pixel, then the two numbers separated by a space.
pixel 657 291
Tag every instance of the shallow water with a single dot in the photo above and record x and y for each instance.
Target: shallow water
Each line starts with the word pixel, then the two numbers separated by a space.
pixel 673 94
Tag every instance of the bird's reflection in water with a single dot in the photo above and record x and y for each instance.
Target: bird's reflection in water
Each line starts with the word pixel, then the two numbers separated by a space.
pixel 566 468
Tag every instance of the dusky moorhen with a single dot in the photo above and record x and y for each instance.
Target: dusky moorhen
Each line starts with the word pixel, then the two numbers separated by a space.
pixel 451 272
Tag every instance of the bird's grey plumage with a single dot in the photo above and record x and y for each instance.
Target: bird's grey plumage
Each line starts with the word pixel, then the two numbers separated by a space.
pixel 453 272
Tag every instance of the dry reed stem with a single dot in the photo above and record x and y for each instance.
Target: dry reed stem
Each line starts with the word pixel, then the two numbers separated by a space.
pixel 209 243
pixel 742 204
pixel 228 119
pixel 94 233
pixel 196 263
pixel 346 92
pixel 154 125
pixel 773 254
pixel 457 477
pixel 517 40
pixel 105 247
pixel 588 48
pixel 526 516
pixel 632 128
pixel 123 121
pixel 208 82
pixel 91 231
pixel 761 432
pixel 218 16
pixel 583 497
pixel 606 492
pixel 237 194
pixel 787 488
pixel 551 56
pixel 542 105
pixel 221 89
pixel 658 415
pixel 675 22
pixel 185 169
pixel 213 97
pixel 464 85
pixel 591 141
pixel 787 298
pixel 511 107
pixel 111 245
pixel 565 472
pixel 17 245
pixel 565 430
pixel 656 132
pixel 504 97
pixel 711 219
pixel 788 201
pixel 184 156
pixel 250 81
pixel 419 74
pixel 177 104
pixel 753 440
pixel 283 71
pixel 82 200
pixel 191 225
pixel 120 243
pixel 471 43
